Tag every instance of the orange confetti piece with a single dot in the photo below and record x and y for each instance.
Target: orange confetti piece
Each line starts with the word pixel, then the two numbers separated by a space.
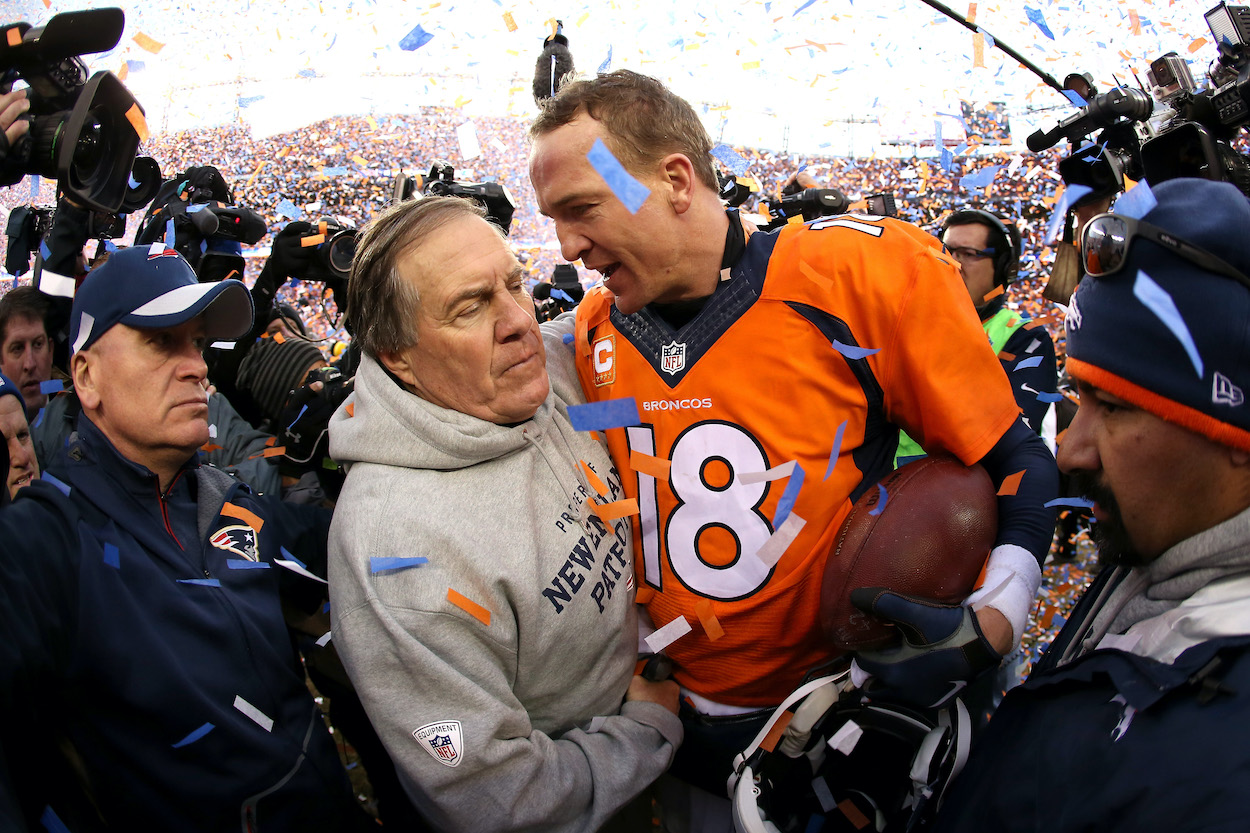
pixel 278 337
pixel 1032 325
pixel 509 22
pixel 978 50
pixel 209 448
pixel 271 442
pixel 469 606
pixel 123 71
pixel 322 226
pixel 774 734
pixel 314 240
pixel 1134 22
pixel 853 814
pixel 1011 484
pixel 615 509
pixel 276 451
pixel 153 46
pixel 593 479
pixel 360 160
pixel 646 464
pixel 707 618
pixel 248 517
pixel 135 116
pixel 13 36
pixel 644 595
pixel 993 293
pixel 351 409
pixel 1007 357
pixel 1198 44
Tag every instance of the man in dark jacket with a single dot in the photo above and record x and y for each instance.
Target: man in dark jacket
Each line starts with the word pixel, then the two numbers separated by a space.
pixel 1137 716
pixel 147 673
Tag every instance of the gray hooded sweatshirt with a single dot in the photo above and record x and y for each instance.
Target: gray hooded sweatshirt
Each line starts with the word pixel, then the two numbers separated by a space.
pixel 495 671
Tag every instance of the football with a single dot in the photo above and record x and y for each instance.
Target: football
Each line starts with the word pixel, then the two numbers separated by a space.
pixel 930 539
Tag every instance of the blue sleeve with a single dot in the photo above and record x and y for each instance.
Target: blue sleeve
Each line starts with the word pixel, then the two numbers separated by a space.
pixel 1023 517
pixel 1032 378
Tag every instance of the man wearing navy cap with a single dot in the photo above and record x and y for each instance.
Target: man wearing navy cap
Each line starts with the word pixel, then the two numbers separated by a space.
pixel 147 668
pixel 22 467
pixel 1136 717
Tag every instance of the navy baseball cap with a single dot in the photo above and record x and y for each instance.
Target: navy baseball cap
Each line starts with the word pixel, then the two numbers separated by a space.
pixel 152 286
pixel 7 388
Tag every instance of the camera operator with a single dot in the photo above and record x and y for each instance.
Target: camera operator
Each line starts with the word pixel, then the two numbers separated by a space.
pixel 562 294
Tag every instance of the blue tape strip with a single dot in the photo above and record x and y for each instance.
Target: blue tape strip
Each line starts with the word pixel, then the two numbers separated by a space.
pixel 51 386
pixel 112 556
pixel 47 478
pixel 287 555
pixel 837 449
pixel 1023 364
pixel 1078 502
pixel 853 352
pixel 786 504
pixel 194 736
pixel 882 497
pixel 202 582
pixel 381 565
pixel 730 158
pixel 244 564
pixel 600 416
pixel 1076 98
pixel 627 189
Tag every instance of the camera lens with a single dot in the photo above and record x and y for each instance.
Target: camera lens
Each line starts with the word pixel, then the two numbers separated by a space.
pixel 341 251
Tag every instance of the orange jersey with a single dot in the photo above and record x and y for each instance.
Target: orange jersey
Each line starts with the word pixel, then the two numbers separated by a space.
pixel 756 381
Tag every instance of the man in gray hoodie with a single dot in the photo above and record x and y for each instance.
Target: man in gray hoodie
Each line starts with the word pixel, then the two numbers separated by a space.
pixel 481 587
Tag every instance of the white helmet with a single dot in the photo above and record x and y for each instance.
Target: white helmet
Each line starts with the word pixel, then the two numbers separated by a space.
pixel 830 751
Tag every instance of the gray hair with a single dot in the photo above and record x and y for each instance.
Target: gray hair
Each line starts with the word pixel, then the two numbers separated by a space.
pixel 381 306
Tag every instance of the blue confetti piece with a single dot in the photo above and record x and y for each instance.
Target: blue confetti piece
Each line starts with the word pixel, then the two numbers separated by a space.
pixel 52 822
pixel 1076 502
pixel 297 417
pixel 44 251
pixel 286 554
pixel 837 448
pixel 334 171
pixel 786 504
pixel 600 416
pixel 1035 15
pixel 982 178
pixel 607 62
pixel 245 564
pixel 415 39
pixel 383 565
pixel 325 608
pixel 1049 397
pixel 853 352
pixel 134 66
pixel 112 556
pixel 1071 195
pixel 170 237
pixel 802 7
pixel 882 497
pixel 51 386
pixel 1158 301
pixel 1136 202
pixel 131 182
pixel 194 736
pixel 110 246
pixel 196 207
pixel 36 183
pixel 38 419
pixel 1076 98
pixel 989 39
pixel 730 158
pixel 947 160
pixel 307 72
pixel 47 478
pixel 290 210
pixel 201 582
pixel 562 295
pixel 248 101
pixel 567 338
pixel 1033 361
pixel 629 190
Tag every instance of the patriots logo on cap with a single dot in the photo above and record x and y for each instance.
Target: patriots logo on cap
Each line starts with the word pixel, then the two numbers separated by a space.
pixel 238 539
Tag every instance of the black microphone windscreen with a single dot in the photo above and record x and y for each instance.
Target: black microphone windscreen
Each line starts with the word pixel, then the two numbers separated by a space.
pixel 555 62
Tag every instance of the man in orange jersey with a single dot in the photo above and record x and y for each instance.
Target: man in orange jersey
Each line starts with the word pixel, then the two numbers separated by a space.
pixel 810 346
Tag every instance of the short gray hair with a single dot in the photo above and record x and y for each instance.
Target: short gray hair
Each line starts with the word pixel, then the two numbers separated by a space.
pixel 381 306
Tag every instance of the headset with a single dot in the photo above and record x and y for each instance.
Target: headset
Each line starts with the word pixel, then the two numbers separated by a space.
pixel 1004 237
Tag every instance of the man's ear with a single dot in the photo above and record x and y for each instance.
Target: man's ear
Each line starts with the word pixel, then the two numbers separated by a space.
pixel 84 370
pixel 677 171
pixel 396 361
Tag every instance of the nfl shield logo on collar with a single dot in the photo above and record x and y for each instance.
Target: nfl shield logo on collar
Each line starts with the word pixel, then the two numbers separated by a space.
pixel 442 739
pixel 673 358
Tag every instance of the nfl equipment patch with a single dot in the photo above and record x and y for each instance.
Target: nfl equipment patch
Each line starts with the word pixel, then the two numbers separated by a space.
pixel 443 740
pixel 238 539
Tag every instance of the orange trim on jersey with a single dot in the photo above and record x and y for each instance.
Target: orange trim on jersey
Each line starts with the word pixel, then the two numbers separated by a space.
pixel 1161 406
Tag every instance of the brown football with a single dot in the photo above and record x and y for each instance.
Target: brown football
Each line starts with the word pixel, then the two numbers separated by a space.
pixel 931 540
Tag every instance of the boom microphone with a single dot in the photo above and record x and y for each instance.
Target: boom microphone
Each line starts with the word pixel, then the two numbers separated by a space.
pixel 554 65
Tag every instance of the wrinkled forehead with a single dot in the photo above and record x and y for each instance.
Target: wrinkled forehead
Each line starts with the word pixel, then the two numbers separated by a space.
pixel 24 328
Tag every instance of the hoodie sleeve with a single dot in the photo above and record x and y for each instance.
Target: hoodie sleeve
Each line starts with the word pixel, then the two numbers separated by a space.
pixel 439 693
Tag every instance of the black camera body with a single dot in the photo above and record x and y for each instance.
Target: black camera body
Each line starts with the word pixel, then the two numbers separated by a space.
pixel 492 196
pixel 84 132
pixel 814 203
pixel 332 264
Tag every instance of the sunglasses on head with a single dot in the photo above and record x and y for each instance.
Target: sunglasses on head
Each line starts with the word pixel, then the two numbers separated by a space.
pixel 1107 238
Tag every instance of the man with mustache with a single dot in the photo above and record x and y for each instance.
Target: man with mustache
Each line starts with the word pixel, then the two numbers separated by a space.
pixel 1136 717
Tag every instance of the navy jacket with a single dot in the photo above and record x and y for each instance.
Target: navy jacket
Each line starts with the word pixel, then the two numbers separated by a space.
pixel 1113 741
pixel 144 634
